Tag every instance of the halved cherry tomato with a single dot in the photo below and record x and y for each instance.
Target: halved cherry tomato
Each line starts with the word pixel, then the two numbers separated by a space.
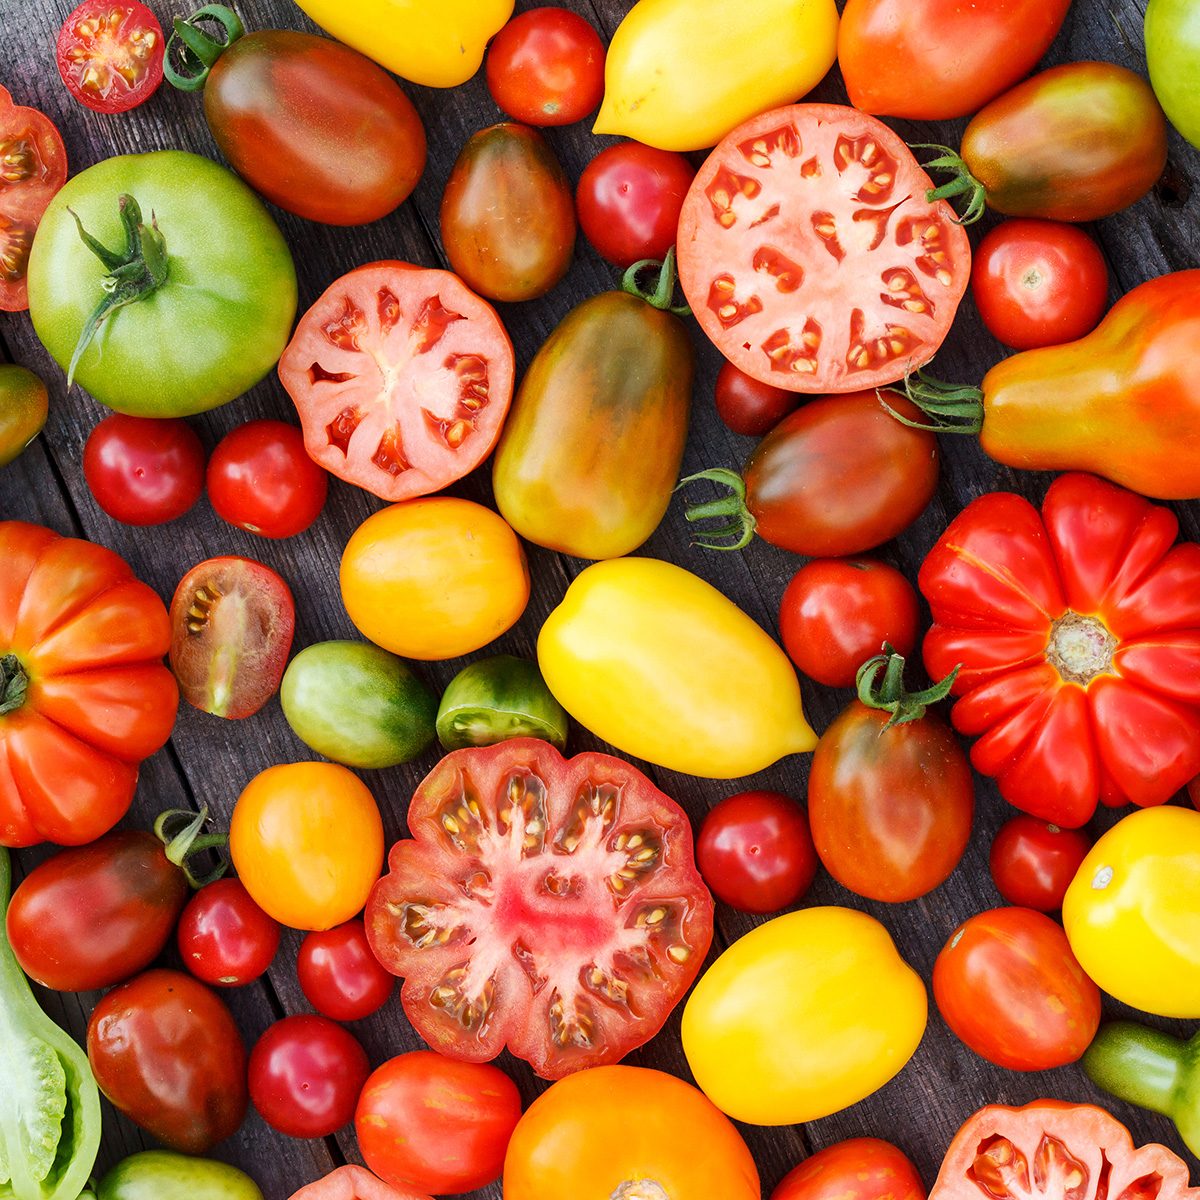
pixel 402 378
pixel 1033 862
pixel 857 1169
pixel 224 938
pixel 546 67
pixel 232 621
pixel 749 406
pixel 339 975
pixel 34 168
pixel 143 471
pixel 110 54
pixel 629 198
pixel 546 904
pixel 261 479
pixel 838 612
pixel 811 256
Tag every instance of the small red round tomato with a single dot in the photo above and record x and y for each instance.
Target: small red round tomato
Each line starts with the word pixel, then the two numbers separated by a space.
pixel 838 612
pixel 755 851
pixel 224 937
pixel 857 1169
pixel 750 406
pixel 166 1051
pixel 339 975
pixel 110 54
pixel 430 1123
pixel 1009 987
pixel 1039 283
pixel 305 1076
pixel 546 67
pixel 629 199
pixel 261 479
pixel 1033 862
pixel 144 471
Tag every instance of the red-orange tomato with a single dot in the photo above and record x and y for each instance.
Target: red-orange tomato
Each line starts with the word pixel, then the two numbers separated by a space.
pixel 1009 987
pixel 748 405
pixel 857 1169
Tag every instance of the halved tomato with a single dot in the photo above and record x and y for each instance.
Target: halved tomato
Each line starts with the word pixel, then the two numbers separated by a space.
pixel 232 621
pixel 811 257
pixel 402 377
pixel 33 166
pixel 546 904
pixel 110 54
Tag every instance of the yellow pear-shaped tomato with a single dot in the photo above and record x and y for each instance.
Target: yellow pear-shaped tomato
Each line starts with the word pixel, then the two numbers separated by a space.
pixel 659 664
pixel 681 74
pixel 802 1017
pixel 439 43
pixel 1132 912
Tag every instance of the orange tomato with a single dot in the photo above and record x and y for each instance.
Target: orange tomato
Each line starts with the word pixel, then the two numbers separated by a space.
pixel 307 842
pixel 615 1132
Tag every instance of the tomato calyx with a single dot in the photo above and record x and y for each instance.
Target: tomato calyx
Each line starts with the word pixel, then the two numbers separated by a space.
pixel 1080 648
pixel 196 50
pixel 880 685
pixel 179 830
pixel 14 684
pixel 135 273
pixel 640 1189
pixel 663 292
pixel 962 183
pixel 951 407
pixel 739 520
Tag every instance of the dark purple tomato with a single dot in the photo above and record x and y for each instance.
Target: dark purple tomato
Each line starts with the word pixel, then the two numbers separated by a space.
pixel 748 406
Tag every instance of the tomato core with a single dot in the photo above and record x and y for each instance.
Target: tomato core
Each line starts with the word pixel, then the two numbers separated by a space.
pixel 1080 648
pixel 640 1189
pixel 102 53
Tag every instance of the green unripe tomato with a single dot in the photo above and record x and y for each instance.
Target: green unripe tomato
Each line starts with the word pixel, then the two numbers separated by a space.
pixel 23 408
pixel 1173 56
pixel 499 698
pixel 166 1175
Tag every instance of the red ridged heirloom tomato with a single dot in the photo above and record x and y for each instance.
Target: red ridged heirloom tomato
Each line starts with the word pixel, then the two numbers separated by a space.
pixel 1009 987
pixel 1033 862
pixel 35 167
pixel 1073 628
pixel 838 612
pixel 857 1169
pixel 931 60
pixel 224 938
pixel 166 1052
pixel 339 975
pixel 1050 1150
pixel 749 406
pixel 525 868
pixel 426 1121
pixel 110 54
pixel 402 377
pixel 811 256
pixel 84 695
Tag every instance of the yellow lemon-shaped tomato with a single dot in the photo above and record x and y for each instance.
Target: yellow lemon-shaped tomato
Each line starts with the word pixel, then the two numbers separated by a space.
pixel 434 578
pixel 1132 912
pixel 802 1017
pixel 307 842
pixel 658 663
pixel 680 74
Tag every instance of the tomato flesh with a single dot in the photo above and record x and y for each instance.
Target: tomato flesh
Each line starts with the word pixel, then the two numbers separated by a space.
pixel 810 256
pixel 110 54
pixel 548 904
pixel 402 378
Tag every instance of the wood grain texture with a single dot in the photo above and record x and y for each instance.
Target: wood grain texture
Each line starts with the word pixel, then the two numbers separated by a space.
pixel 210 760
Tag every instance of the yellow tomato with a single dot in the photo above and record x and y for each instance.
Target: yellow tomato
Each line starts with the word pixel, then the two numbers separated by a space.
pixel 661 665
pixel 439 43
pixel 307 841
pixel 681 74
pixel 802 1017
pixel 434 578
pixel 1132 912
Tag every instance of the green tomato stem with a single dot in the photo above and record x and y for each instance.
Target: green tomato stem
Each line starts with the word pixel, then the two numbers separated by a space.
pixel 14 684
pixel 197 50
pixel 888 694
pixel 663 293
pixel 739 522
pixel 179 831
pixel 962 183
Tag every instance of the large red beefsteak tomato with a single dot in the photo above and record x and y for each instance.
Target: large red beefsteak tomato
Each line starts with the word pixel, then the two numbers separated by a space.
pixel 84 694
pixel 1078 635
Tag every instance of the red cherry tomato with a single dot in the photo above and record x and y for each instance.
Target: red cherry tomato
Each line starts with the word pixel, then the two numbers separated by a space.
pixel 755 851
pixel 1039 283
pixel 110 54
pixel 838 612
pixel 143 471
pixel 224 937
pixel 430 1123
pixel 629 199
pixel 261 479
pixel 749 406
pixel 546 67
pixel 305 1076
pixel 1033 862
pixel 857 1169
pixel 339 975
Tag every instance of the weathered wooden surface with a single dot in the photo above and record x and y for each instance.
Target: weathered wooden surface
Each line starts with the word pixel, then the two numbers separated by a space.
pixel 211 760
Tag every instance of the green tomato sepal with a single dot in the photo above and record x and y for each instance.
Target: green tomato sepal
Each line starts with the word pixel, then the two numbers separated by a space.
pixel 498 698
pixel 1151 1069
